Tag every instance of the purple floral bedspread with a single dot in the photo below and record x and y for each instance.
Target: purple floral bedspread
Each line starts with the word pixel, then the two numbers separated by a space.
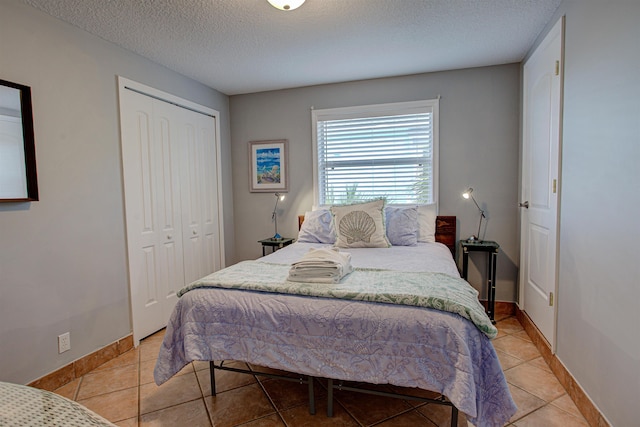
pixel 340 339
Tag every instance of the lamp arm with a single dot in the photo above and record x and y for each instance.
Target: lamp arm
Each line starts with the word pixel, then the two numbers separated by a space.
pixel 274 216
pixel 482 215
pixel 477 206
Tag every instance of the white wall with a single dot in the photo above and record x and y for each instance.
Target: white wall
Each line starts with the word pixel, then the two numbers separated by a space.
pixel 599 274
pixel 63 258
pixel 479 134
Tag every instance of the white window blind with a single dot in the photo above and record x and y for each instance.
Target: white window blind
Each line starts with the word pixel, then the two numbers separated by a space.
pixel 387 150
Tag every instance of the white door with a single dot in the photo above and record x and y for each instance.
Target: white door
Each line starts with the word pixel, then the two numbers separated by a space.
pixel 542 82
pixel 152 199
pixel 199 195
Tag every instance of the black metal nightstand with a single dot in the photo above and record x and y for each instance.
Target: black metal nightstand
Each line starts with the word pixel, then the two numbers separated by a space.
pixel 275 244
pixel 491 248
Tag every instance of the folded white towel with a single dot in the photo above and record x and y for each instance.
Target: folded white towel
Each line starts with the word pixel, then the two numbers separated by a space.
pixel 321 265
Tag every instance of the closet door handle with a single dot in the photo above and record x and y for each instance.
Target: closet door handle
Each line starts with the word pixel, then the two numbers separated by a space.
pixel 524 204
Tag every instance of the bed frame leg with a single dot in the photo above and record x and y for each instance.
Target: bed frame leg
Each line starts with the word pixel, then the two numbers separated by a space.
pixel 212 377
pixel 454 416
pixel 329 398
pixel 312 399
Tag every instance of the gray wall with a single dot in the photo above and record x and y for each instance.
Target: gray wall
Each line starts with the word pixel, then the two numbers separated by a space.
pixel 598 339
pixel 63 264
pixel 479 134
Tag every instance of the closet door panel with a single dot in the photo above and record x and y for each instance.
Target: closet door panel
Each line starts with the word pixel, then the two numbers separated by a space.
pixel 140 159
pixel 198 202
pixel 168 198
pixel 152 199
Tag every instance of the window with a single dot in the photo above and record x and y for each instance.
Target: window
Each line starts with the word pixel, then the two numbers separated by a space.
pixel 386 150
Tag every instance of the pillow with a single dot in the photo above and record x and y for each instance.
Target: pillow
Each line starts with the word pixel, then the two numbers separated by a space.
pixel 427 223
pixel 360 225
pixel 402 225
pixel 317 227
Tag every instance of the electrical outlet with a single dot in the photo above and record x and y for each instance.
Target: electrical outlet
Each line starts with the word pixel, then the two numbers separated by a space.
pixel 64 342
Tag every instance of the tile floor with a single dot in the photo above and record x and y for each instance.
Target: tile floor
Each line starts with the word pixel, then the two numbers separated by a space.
pixel 123 391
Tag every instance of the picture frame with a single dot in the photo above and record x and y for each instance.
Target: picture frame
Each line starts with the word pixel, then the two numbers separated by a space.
pixel 268 166
pixel 18 181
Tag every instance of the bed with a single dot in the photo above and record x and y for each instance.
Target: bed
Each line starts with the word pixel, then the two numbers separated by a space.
pixel 361 338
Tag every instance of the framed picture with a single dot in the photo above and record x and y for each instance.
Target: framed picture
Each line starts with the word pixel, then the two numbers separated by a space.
pixel 268 166
pixel 18 177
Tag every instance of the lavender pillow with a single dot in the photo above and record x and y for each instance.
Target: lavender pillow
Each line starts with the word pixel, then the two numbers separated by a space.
pixel 317 227
pixel 402 225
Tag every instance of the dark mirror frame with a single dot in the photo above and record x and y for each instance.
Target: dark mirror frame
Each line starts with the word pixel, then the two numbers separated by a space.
pixel 29 142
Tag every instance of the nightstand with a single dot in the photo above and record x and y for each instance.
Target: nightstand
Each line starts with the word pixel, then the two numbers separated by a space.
pixel 275 244
pixel 491 248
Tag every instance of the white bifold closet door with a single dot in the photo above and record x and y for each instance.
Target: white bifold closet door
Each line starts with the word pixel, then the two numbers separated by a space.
pixel 171 201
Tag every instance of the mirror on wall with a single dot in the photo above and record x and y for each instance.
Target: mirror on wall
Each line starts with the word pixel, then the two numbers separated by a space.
pixel 18 179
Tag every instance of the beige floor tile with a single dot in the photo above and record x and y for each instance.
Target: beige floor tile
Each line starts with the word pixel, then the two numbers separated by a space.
pixel 565 403
pixel 128 358
pixel 516 347
pixel 107 381
pixel 540 363
pixel 238 406
pixel 115 406
pixel 550 416
pixel 191 414
pixel 523 335
pixel 299 416
pixel 408 419
pixel 130 422
pixel 147 367
pixel 272 420
pixel 69 390
pixel 526 402
pixel 507 361
pixel 149 350
pixel 440 415
pixel 536 381
pixel 370 409
pixel 287 394
pixel 177 390
pixel 509 325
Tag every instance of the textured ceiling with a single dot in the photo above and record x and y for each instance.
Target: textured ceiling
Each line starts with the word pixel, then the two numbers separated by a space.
pixel 244 46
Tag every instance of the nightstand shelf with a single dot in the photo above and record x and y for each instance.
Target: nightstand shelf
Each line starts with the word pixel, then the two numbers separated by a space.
pixel 275 244
pixel 491 248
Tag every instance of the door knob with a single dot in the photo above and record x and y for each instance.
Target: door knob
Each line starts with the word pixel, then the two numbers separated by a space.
pixel 524 204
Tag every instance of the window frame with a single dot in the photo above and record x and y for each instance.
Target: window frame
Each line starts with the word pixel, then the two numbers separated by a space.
pixel 378 110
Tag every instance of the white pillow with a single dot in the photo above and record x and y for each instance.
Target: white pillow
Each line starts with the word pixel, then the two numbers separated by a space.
pixel 427 223
pixel 360 225
pixel 317 227
pixel 402 225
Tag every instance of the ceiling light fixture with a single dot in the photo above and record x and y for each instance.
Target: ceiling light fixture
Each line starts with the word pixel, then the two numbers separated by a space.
pixel 286 4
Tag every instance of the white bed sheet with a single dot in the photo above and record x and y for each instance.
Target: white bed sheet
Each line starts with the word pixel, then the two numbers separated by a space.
pixel 432 257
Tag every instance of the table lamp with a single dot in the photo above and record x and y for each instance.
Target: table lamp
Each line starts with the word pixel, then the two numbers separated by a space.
pixel 468 195
pixel 274 216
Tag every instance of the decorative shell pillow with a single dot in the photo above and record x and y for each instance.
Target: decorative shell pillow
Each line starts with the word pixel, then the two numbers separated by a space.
pixel 360 225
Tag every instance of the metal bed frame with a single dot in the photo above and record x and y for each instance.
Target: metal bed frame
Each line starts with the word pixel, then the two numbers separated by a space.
pixel 331 386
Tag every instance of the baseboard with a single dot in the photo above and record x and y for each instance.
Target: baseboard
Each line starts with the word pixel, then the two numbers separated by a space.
pixel 78 368
pixel 593 416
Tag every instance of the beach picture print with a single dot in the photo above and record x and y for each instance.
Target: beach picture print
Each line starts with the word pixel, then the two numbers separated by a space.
pixel 268 166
